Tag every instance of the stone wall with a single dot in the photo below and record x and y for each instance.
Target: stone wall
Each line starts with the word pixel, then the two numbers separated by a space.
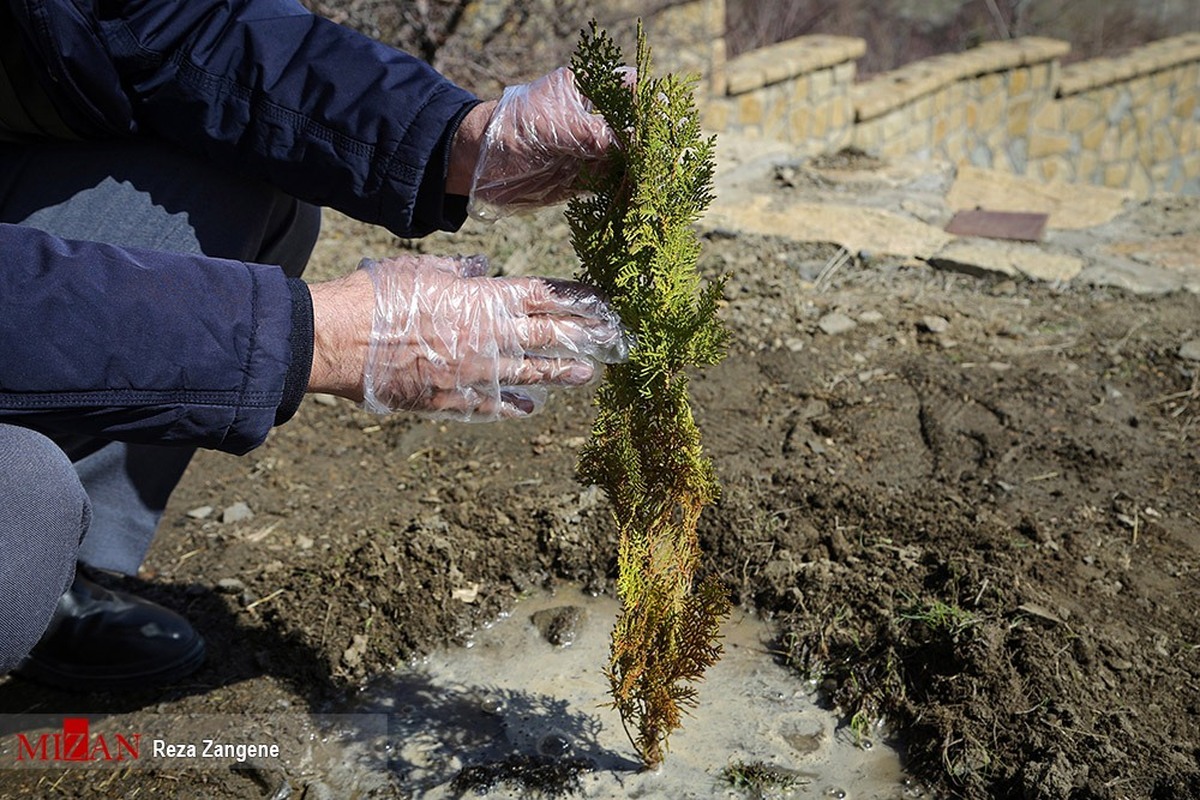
pixel 1130 122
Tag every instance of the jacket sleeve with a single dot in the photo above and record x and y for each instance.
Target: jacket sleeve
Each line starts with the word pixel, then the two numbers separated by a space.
pixel 142 346
pixel 268 88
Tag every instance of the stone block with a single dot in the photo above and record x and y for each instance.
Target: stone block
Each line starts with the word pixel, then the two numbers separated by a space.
pixel 1049 117
pixel 1018 81
pixel 1017 118
pixel 775 114
pixel 744 78
pixel 1110 148
pixel 800 90
pixel 820 84
pixel 1140 182
pixel 800 120
pixel 1093 136
pixel 1079 113
pixel 750 109
pixel 1185 106
pixel 1129 146
pixel 1087 165
pixel 1039 77
pixel 1191 165
pixel 840 113
pixel 894 125
pixel 1048 144
pixel 991 112
pixel 923 108
pixel 868 136
pixel 716 115
pixel 1164 147
pixel 1057 168
pixel 990 84
pixel 941 127
pixel 1140 91
pixel 819 126
pixel 1160 106
pixel 1116 176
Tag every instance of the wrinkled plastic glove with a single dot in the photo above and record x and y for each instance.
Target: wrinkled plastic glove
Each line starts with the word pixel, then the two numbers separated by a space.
pixel 537 139
pixel 450 343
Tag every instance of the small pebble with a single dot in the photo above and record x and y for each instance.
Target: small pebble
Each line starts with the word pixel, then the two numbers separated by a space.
pixel 935 324
pixel 1190 350
pixel 200 512
pixel 835 323
pixel 230 585
pixel 238 512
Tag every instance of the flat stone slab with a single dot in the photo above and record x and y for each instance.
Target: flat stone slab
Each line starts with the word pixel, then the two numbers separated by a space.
pixel 1068 205
pixel 1006 259
pixel 856 228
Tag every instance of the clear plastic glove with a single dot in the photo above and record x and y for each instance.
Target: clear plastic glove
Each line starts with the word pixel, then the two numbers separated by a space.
pixel 536 141
pixel 448 342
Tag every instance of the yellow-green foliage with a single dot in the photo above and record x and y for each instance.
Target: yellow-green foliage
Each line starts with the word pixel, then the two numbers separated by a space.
pixel 634 235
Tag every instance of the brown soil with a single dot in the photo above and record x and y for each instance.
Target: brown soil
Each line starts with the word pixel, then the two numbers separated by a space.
pixel 989 534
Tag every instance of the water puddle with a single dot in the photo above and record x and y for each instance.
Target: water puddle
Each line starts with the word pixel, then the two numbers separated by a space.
pixel 514 716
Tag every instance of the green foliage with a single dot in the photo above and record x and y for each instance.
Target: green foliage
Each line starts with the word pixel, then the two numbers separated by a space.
pixel 634 235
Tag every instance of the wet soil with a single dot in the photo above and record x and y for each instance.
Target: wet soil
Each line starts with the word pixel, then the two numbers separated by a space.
pixel 975 513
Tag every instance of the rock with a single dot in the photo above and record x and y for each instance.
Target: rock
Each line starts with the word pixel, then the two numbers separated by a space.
pixel 1006 259
pixel 324 399
pixel 1070 205
pixel 238 512
pixel 1190 350
pixel 560 625
pixel 836 323
pixel 870 317
pixel 935 324
pixel 200 512
pixel 794 344
pixel 856 228
pixel 353 655
pixel 230 586
pixel 466 594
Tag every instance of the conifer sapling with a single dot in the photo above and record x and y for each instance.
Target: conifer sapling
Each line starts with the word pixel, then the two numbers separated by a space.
pixel 634 235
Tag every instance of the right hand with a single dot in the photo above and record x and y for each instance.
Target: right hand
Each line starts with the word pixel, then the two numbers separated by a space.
pixel 448 342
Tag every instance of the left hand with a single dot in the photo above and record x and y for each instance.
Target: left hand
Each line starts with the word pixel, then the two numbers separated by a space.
pixel 536 139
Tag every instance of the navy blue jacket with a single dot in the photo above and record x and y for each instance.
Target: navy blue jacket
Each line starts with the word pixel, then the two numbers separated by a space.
pixel 159 347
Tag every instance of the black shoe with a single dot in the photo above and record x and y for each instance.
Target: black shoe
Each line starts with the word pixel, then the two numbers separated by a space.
pixel 99 639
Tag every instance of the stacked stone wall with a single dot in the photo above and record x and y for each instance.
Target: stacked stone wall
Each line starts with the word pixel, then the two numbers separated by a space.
pixel 1130 122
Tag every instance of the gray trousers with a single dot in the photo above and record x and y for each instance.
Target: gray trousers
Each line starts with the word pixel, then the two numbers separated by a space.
pixel 137 194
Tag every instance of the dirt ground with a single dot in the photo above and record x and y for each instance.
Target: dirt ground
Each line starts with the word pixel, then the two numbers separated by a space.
pixel 975 514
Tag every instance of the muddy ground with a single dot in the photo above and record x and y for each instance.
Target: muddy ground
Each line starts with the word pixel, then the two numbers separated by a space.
pixel 976 514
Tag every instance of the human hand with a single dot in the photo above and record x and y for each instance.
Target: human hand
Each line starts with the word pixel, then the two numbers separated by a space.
pixel 448 342
pixel 536 139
